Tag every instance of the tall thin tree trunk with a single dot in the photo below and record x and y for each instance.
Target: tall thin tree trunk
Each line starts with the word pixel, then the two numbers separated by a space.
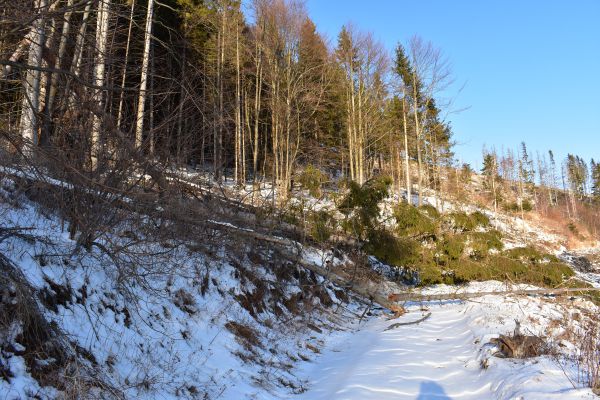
pixel 124 73
pixel 139 127
pixel 257 100
pixel 151 138
pixel 361 131
pixel 406 156
pixel 101 42
pixel 58 65
pixel 31 97
pixel 78 54
pixel 238 109
pixel 418 138
pixel 182 99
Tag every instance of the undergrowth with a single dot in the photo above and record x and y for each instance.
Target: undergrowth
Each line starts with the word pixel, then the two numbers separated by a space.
pixel 454 248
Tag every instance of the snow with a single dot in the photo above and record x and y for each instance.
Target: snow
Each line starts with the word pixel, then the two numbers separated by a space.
pixel 146 345
pixel 151 348
pixel 442 357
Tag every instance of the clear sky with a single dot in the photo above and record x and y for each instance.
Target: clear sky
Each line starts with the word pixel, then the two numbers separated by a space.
pixel 531 69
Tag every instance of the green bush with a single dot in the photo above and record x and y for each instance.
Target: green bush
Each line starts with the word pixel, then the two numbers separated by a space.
pixel 293 214
pixel 464 271
pixel 410 221
pixel 498 267
pixel 430 273
pixel 401 252
pixel 511 207
pixel 312 179
pixel 322 225
pixel 527 205
pixel 480 219
pixel 430 210
pixel 515 207
pixel 555 272
pixel 361 205
pixel 460 221
pixel 542 274
pixel 451 248
pixel 530 254
pixel 573 228
pixel 482 242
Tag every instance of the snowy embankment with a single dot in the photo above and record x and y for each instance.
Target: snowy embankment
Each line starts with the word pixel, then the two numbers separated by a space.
pixel 187 325
pixel 448 356
pixel 230 326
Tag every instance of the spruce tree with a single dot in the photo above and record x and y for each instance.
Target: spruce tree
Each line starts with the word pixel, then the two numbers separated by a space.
pixel 595 168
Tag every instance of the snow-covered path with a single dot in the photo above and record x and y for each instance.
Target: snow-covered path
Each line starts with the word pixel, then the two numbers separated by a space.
pixel 440 358
pixel 431 360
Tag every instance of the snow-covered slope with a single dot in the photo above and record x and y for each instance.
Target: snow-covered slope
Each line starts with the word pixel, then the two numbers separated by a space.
pixel 190 325
pixel 219 325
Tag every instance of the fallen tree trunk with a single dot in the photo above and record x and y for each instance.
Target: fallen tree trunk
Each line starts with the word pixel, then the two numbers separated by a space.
pixel 417 297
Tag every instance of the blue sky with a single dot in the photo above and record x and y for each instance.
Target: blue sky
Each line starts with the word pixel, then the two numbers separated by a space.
pixel 531 69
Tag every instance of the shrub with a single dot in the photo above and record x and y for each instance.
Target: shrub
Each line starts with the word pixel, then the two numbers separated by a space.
pixel 530 254
pixel 482 242
pixel 511 207
pixel 543 274
pixel 480 219
pixel 460 221
pixel 361 205
pixel 554 272
pixel 391 250
pixel 573 228
pixel 429 273
pixel 527 205
pixel 293 214
pixel 322 225
pixel 312 179
pixel 410 221
pixel 430 210
pixel 515 207
pixel 467 270
pixel 451 248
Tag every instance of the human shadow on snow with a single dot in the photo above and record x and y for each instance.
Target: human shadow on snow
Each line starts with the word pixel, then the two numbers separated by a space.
pixel 432 391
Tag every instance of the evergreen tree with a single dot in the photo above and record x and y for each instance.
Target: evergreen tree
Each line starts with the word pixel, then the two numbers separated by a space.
pixel 577 174
pixel 595 173
pixel 490 173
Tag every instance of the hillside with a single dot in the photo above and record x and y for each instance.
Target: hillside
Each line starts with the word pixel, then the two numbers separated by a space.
pixel 231 310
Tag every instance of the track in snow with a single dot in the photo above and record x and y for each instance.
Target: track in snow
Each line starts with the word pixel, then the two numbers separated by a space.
pixel 438 359
pixel 432 360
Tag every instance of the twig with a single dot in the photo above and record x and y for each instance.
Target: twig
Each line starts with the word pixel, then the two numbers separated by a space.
pixel 399 324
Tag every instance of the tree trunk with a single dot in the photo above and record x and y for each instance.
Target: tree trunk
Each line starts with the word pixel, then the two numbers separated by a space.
pixel 238 109
pixel 406 157
pixel 418 138
pixel 124 74
pixel 58 65
pixel 101 42
pixel 139 128
pixel 31 97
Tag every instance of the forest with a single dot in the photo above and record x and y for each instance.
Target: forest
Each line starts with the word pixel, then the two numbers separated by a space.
pixel 250 95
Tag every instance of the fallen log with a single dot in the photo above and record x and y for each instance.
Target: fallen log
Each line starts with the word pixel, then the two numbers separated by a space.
pixel 417 297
